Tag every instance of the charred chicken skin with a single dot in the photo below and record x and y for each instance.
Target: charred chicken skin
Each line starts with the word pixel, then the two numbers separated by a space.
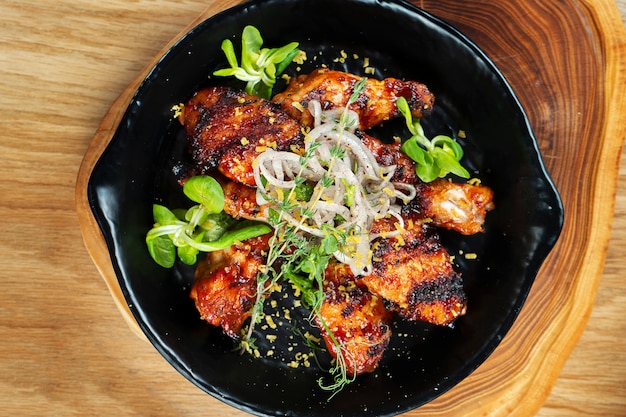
pixel 415 275
pixel 227 129
pixel 376 103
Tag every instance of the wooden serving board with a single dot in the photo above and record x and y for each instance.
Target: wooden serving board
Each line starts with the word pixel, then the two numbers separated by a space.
pixel 566 60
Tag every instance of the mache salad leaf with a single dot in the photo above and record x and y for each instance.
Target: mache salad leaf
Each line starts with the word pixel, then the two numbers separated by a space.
pixel 204 227
pixel 434 158
pixel 259 66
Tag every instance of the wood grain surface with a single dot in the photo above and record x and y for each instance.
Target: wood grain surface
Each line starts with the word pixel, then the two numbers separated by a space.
pixel 65 348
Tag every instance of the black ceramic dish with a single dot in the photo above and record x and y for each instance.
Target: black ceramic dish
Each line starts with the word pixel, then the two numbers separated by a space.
pixel 399 40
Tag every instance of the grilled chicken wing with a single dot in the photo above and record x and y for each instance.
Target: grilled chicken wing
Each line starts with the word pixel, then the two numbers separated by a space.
pixel 227 129
pixel 376 104
pixel 415 275
pixel 388 154
pixel 458 207
pixel 225 284
pixel 240 201
pixel 358 320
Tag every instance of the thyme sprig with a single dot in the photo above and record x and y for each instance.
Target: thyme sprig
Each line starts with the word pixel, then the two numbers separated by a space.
pixel 298 259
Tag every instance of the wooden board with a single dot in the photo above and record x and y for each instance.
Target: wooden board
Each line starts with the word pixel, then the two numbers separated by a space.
pixel 568 74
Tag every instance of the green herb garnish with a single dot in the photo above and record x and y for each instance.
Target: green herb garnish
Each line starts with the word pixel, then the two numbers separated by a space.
pixel 302 260
pixel 434 158
pixel 259 66
pixel 202 228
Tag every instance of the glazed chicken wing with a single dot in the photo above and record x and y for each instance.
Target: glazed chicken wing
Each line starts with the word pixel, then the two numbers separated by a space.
pixel 225 284
pixel 458 207
pixel 227 129
pixel 240 201
pixel 388 154
pixel 415 275
pixel 376 103
pixel 358 320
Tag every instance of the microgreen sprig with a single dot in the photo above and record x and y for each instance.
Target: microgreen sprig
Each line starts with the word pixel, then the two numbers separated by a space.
pixel 434 158
pixel 202 228
pixel 259 66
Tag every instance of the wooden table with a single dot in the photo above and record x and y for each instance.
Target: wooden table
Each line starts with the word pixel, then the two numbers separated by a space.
pixel 65 348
